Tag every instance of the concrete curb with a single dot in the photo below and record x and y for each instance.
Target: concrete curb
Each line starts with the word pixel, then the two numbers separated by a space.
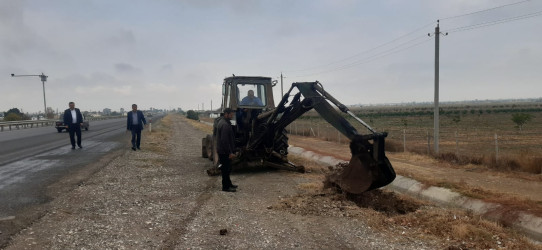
pixel 527 223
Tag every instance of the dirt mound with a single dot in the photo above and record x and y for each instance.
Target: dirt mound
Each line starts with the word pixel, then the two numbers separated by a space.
pixel 399 215
pixel 384 202
pixel 332 202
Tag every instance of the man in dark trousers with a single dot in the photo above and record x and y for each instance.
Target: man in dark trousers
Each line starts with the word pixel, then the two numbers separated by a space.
pixel 225 147
pixel 135 123
pixel 73 119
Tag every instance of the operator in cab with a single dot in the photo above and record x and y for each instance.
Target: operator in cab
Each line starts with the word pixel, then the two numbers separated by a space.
pixel 251 100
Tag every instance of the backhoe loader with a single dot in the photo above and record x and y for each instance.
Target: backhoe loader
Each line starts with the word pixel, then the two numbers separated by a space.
pixel 261 137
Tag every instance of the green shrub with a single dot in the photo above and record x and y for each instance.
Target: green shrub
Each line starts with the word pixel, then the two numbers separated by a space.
pixel 191 114
pixel 13 117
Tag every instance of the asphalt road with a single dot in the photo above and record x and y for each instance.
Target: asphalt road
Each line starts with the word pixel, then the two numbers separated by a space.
pixel 31 159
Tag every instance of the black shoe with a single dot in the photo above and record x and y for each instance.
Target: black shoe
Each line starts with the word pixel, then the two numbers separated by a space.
pixel 229 190
pixel 138 148
pixel 73 147
pixel 80 146
pixel 133 148
pixel 233 186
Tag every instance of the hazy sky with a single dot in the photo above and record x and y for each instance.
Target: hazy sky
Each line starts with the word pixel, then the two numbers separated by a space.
pixel 175 53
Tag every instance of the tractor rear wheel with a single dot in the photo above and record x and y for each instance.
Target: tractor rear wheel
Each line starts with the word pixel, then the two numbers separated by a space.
pixel 204 148
pixel 209 147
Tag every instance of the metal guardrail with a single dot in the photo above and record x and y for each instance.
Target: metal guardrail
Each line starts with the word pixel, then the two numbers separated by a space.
pixel 26 124
pixel 43 123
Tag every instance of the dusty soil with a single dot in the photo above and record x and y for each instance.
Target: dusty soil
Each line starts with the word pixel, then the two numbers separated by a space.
pixel 521 190
pixel 161 198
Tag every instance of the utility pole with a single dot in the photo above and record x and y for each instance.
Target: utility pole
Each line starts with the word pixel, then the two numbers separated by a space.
pixel 43 80
pixel 281 90
pixel 436 111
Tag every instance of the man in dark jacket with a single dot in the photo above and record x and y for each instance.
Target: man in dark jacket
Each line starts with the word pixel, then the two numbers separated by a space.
pixel 135 122
pixel 225 147
pixel 73 119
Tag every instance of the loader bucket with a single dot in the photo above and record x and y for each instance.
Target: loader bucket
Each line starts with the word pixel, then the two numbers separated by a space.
pixel 368 168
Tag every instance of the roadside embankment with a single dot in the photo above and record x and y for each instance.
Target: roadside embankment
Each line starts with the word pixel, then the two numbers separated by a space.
pixel 527 223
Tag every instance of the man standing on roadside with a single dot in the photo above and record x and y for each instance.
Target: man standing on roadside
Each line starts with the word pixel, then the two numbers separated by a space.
pixel 73 120
pixel 135 123
pixel 225 147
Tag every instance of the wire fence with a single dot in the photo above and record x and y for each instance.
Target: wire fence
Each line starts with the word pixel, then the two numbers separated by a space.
pixel 470 142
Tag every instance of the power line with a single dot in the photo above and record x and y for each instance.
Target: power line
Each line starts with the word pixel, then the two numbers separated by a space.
pixel 393 50
pixel 490 9
pixel 371 58
pixel 396 48
pixel 365 51
pixel 495 22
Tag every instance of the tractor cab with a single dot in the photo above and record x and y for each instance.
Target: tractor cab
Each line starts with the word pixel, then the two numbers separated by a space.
pixel 248 96
pixel 250 92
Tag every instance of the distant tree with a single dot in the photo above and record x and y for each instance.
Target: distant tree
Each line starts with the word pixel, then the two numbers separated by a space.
pixel 520 119
pixel 456 119
pixel 50 113
pixel 13 110
pixel 15 115
pixel 404 121
pixel 191 114
pixel 12 117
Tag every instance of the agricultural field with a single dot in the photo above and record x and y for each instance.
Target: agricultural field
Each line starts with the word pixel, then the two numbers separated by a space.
pixel 470 132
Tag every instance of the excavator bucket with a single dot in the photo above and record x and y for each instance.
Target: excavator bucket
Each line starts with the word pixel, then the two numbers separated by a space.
pixel 368 168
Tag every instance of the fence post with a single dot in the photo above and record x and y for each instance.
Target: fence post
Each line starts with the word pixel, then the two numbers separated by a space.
pixel 456 144
pixel 404 140
pixel 496 147
pixel 428 143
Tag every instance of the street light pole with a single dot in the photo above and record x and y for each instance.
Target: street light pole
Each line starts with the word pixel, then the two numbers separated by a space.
pixel 43 79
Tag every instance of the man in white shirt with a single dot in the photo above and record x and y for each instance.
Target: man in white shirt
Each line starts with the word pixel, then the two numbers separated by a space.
pixel 73 119
pixel 135 122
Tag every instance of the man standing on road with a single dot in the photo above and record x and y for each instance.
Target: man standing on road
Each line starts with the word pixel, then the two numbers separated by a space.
pixel 135 123
pixel 225 147
pixel 73 120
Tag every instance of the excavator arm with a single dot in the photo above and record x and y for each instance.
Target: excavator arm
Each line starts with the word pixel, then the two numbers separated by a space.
pixel 368 169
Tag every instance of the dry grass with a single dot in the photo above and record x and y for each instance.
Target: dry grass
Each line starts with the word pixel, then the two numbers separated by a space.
pixel 310 166
pixel 458 228
pixel 160 132
pixel 199 125
pixel 465 229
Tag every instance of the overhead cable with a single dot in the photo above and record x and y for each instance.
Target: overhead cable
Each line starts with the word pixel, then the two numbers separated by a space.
pixel 486 10
pixel 370 59
pixel 494 22
pixel 366 51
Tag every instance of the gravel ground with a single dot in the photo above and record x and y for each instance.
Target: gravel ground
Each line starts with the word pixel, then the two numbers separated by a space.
pixel 160 198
